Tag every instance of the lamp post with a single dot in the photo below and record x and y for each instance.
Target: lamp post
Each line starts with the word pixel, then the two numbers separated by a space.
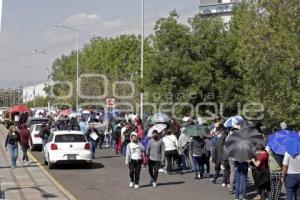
pixel 142 63
pixel 75 29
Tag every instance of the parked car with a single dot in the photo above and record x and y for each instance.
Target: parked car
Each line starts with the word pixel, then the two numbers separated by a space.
pixel 67 147
pixel 35 136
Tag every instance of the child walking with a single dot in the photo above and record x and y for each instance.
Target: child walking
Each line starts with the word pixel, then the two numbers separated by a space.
pixel 134 159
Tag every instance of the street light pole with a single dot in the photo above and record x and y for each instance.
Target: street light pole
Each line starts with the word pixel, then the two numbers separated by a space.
pixel 142 64
pixel 76 29
pixel 77 68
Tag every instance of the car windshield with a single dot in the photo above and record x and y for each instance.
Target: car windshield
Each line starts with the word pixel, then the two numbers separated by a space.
pixel 69 138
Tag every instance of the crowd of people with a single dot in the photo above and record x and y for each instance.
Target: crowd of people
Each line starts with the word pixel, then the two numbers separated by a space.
pixel 169 149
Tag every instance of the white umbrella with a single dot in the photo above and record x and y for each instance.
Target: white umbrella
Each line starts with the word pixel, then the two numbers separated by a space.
pixel 74 114
pixel 158 127
pixel 86 112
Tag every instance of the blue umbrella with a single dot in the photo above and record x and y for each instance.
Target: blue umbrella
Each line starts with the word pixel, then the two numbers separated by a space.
pixel 293 144
pixel 231 121
pixel 278 141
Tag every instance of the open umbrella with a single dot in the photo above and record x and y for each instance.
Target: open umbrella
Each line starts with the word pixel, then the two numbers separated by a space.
pixel 158 127
pixel 240 144
pixel 160 118
pixel 278 141
pixel 19 108
pixel 65 112
pixel 293 144
pixel 85 112
pixel 231 121
pixel 195 130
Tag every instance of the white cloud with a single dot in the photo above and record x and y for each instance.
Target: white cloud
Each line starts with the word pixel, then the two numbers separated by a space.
pixel 83 19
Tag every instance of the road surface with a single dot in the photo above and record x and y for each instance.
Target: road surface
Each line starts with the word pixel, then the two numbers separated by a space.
pixel 108 180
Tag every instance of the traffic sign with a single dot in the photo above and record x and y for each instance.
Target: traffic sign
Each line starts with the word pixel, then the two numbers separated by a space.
pixel 110 103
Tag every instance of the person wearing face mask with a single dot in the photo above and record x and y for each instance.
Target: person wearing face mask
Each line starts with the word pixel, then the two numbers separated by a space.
pixel 11 143
pixel 156 153
pixel 134 160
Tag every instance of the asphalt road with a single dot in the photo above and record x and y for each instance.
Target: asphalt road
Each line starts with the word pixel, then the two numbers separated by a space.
pixel 108 180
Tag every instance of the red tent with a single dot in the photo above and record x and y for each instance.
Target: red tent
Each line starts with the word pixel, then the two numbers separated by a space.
pixel 19 108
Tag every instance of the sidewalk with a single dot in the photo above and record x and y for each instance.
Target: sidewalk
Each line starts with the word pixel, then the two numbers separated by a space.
pixel 24 182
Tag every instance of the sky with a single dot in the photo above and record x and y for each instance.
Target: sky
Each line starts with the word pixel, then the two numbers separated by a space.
pixel 28 25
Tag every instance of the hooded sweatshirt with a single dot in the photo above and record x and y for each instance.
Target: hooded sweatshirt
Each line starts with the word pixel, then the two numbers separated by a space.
pixel 134 152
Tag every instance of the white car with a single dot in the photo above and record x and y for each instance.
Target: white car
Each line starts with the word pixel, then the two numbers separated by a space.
pixel 35 136
pixel 67 147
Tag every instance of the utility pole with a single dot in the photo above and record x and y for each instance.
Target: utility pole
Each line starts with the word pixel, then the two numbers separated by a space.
pixel 1 4
pixel 142 64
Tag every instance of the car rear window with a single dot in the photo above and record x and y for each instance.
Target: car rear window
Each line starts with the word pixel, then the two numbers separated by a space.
pixel 38 127
pixel 33 122
pixel 69 138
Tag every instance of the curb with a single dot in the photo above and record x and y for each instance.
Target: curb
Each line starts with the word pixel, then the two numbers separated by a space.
pixel 59 186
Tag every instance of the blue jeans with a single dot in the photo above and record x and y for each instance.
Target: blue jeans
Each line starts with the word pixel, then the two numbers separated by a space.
pixel 93 147
pixel 199 165
pixel 109 140
pixel 13 151
pixel 241 179
pixel 186 161
pixel 292 185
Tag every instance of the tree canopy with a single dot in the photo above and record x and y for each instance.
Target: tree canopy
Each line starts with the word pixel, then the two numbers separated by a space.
pixel 253 58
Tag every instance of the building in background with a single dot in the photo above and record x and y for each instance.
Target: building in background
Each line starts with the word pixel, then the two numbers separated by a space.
pixel 218 8
pixel 33 92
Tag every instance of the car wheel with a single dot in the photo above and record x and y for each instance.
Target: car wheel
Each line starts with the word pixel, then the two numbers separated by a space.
pixel 45 161
pixel 50 165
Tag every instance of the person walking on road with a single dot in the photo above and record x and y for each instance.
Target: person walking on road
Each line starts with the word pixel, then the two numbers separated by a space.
pixel 275 164
pixel 171 150
pixel 208 147
pixel 44 133
pixel 134 160
pixel 11 142
pixel 261 173
pixel 218 152
pixel 241 179
pixel 198 152
pixel 291 176
pixel 92 135
pixel 25 141
pixel 156 153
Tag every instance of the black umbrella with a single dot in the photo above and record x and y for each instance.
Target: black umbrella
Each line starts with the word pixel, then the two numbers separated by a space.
pixel 240 145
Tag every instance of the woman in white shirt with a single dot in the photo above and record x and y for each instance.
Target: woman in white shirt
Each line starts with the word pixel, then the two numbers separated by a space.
pixel 171 150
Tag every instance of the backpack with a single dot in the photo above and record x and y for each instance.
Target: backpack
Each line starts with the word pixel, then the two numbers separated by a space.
pixel 127 135
pixel 116 134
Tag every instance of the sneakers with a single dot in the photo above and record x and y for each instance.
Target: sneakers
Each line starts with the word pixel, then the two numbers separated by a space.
pixel 228 185
pixel 161 170
pixel 131 184
pixel 136 186
pixel 154 184
pixel 223 185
